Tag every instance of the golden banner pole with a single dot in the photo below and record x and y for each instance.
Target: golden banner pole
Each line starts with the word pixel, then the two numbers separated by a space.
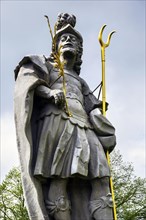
pixel 103 46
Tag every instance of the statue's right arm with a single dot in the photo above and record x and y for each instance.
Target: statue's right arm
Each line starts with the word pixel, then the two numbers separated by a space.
pixel 36 66
pixel 56 95
pixel 43 91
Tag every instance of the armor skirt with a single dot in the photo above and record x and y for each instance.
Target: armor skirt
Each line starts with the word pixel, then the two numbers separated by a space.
pixel 68 149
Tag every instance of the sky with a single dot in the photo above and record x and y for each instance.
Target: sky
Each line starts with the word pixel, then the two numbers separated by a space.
pixel 24 31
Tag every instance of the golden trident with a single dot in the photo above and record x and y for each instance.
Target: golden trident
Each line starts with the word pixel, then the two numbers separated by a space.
pixel 103 46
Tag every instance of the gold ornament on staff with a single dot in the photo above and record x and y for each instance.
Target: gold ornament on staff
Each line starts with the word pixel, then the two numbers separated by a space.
pixel 58 64
pixel 103 46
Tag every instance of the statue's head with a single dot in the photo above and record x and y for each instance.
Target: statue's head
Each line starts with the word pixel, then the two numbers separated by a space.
pixel 68 38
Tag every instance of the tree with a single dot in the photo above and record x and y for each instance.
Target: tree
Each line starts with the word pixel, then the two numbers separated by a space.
pixel 129 193
pixel 12 205
pixel 129 190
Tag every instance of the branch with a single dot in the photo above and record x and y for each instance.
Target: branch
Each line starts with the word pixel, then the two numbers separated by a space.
pixel 4 212
pixel 126 198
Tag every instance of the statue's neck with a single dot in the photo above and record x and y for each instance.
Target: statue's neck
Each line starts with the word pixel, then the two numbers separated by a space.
pixel 69 62
pixel 68 66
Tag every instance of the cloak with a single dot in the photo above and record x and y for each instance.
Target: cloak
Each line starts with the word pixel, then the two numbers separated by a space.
pixel 26 81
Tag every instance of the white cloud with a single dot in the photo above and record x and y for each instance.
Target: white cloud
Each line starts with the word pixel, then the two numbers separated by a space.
pixel 24 31
pixel 134 151
pixel 9 154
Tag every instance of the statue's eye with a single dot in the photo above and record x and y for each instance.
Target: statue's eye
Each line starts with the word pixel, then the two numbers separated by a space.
pixel 73 39
pixel 63 39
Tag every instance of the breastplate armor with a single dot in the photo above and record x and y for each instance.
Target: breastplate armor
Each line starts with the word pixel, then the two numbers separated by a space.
pixel 74 98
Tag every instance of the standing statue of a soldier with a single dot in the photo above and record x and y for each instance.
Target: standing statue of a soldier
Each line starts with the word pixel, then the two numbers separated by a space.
pixel 62 135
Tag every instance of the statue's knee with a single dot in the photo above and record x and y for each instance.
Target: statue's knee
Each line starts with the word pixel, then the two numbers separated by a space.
pixel 101 208
pixel 60 205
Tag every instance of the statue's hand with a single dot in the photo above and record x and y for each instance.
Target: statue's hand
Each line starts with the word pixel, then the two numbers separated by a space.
pixel 58 96
pixel 108 142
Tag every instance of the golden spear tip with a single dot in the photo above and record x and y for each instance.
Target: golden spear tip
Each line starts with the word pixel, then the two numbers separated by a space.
pixel 100 37
pixel 46 16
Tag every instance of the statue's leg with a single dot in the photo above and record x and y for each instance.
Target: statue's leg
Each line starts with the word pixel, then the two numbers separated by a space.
pixel 57 204
pixel 101 200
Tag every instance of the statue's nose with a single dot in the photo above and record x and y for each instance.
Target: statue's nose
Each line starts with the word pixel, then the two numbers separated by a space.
pixel 68 39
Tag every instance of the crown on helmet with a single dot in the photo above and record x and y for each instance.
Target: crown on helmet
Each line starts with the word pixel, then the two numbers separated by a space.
pixel 65 24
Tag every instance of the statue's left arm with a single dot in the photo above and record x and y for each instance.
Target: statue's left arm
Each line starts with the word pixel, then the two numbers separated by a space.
pixel 103 128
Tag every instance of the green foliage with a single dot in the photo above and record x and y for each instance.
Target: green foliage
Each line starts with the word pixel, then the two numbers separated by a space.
pixel 129 190
pixel 12 206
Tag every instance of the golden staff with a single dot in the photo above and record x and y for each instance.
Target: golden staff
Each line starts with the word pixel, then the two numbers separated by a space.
pixel 103 46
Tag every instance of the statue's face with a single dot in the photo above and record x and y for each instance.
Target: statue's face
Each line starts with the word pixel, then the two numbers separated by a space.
pixel 69 44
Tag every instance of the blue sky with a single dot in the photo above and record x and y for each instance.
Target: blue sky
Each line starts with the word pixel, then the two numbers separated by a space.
pixel 24 31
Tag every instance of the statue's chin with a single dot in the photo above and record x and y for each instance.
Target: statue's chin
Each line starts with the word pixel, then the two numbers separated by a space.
pixel 69 53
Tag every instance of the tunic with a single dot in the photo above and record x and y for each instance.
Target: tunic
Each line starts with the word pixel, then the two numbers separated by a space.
pixel 68 146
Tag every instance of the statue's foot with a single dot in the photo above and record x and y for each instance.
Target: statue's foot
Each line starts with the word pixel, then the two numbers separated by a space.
pixel 62 215
pixel 103 215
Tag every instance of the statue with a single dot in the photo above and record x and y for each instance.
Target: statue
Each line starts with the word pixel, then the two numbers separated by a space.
pixel 61 134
